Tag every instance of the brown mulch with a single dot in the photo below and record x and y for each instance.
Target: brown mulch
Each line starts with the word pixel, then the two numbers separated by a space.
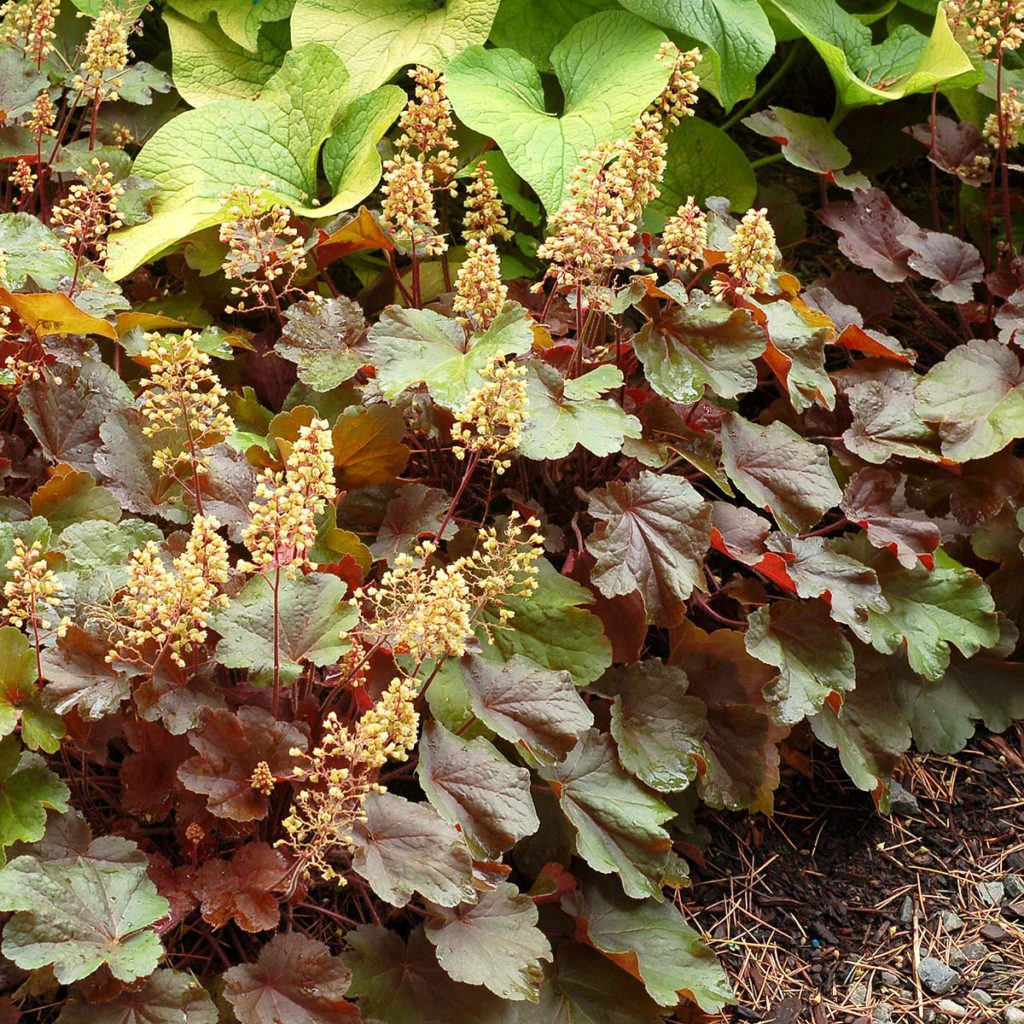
pixel 822 912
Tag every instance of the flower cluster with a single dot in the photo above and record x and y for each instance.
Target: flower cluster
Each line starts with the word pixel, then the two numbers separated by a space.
pixel 679 97
pixel 89 211
pixel 992 26
pixel 485 217
pixel 751 256
pixel 685 238
pixel 341 772
pixel 1009 117
pixel 182 395
pixel 29 24
pixel 165 611
pixel 40 121
pixel 492 419
pixel 32 592
pixel 265 252
pixel 480 292
pixel 429 611
pixel 283 526
pixel 407 207
pixel 106 55
pixel 426 125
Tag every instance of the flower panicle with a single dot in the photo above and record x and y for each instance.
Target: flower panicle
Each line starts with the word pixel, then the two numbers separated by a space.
pixel 751 257
pixel 492 419
pixel 33 592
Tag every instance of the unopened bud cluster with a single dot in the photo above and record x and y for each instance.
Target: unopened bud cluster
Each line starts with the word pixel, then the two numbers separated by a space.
pixel 32 592
pixel 265 252
pixel 1007 121
pixel 164 611
pixel 342 771
pixel 182 395
pixel 426 125
pixel 751 257
pixel 29 25
pixel 492 419
pixel 283 526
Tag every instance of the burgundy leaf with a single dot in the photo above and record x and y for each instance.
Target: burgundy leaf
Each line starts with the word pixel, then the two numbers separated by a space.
pixel 955 147
pixel 953 264
pixel 241 890
pixel 624 617
pixel 869 229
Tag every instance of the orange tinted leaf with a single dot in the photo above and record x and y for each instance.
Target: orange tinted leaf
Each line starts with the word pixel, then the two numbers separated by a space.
pixel 53 313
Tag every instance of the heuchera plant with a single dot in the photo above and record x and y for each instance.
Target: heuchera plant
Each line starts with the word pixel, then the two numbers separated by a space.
pixel 383 595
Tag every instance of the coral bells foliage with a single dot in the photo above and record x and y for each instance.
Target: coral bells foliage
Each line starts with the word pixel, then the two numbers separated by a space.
pixel 384 593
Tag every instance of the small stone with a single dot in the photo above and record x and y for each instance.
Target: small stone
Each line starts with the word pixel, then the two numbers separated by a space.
pixel 979 996
pixel 993 933
pixel 907 912
pixel 901 801
pixel 1013 885
pixel 937 977
pixel 991 893
pixel 986 764
pixel 891 980
pixel 858 994
pixel 974 950
pixel 956 959
pixel 951 1009
pixel 1014 910
pixel 951 922
pixel 1013 1015
pixel 882 1013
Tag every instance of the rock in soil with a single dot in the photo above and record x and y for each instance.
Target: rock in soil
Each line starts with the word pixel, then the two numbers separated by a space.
pixel 907 912
pixel 951 922
pixel 991 893
pixel 980 997
pixel 993 933
pixel 1011 1015
pixel 882 1013
pixel 937 977
pixel 951 1009
pixel 974 950
pixel 1013 885
pixel 901 801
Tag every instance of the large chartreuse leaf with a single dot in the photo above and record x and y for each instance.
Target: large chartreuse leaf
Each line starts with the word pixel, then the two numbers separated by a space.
pixel 608 71
pixel 534 29
pixel 19 694
pixel 27 790
pixel 928 611
pixel 239 20
pixel 737 39
pixel 904 63
pixel 376 37
pixel 201 154
pixel 652 941
pixel 618 821
pixel 79 913
pixel 418 346
pixel 207 65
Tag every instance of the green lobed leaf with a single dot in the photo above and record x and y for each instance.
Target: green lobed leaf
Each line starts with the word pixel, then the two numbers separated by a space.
pixel 239 20
pixel 209 66
pixel 552 627
pixel 409 347
pixel 199 155
pixel 494 942
pixel 318 337
pixel 28 789
pixel 35 257
pixel 813 657
pixel 80 915
pixel 313 618
pixel 654 943
pixel 20 701
pixel 565 413
pixel 608 71
pixel 404 847
pixel 657 726
pixel 618 821
pixel 471 784
pixel 526 704
pixel 928 611
pixel 737 39
pixel 700 344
